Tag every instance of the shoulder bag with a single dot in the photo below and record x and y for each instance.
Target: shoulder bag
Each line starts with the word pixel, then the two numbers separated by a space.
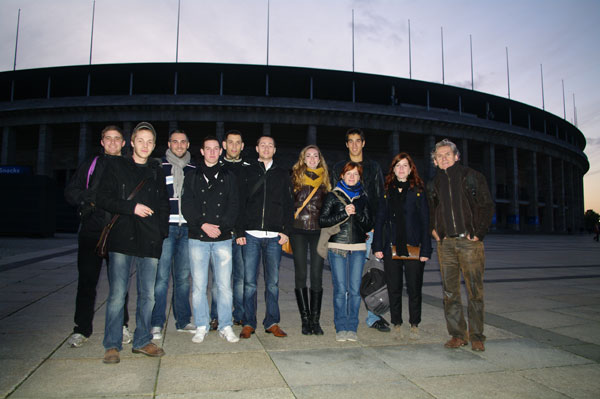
pixel 287 247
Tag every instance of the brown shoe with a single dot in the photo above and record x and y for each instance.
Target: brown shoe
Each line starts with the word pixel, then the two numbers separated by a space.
pixel 455 342
pixel 151 350
pixel 276 331
pixel 247 331
pixel 477 346
pixel 111 356
pixel 214 324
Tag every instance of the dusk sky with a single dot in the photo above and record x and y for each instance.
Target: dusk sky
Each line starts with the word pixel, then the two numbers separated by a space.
pixel 561 35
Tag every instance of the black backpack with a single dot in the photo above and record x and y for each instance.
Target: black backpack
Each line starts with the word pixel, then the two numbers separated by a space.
pixel 373 287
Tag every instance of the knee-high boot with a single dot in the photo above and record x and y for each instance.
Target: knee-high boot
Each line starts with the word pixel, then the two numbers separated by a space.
pixel 302 300
pixel 315 311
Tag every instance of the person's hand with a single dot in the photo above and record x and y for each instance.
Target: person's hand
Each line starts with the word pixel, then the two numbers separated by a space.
pixel 350 209
pixel 423 258
pixel 282 239
pixel 212 230
pixel 240 241
pixel 475 238
pixel 435 236
pixel 379 255
pixel 142 211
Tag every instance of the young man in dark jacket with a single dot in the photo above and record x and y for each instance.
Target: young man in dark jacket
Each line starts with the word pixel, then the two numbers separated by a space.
pixel 136 238
pixel 210 205
pixel 264 225
pixel 461 210
pixel 81 192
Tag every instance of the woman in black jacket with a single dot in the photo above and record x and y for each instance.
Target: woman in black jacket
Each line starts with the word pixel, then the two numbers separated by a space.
pixel 347 206
pixel 403 219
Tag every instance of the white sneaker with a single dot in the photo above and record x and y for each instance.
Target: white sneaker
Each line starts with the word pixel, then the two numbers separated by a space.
pixel 126 336
pixel 189 327
pixel 76 340
pixel 156 332
pixel 200 334
pixel 340 336
pixel 351 336
pixel 228 334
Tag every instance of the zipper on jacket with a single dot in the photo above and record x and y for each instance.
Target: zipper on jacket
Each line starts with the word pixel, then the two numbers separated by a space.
pixel 451 201
pixel 123 191
pixel 262 223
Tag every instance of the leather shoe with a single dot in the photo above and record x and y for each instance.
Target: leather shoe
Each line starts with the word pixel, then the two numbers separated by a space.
pixel 214 324
pixel 247 331
pixel 380 325
pixel 111 356
pixel 151 350
pixel 477 346
pixel 238 323
pixel 455 342
pixel 276 331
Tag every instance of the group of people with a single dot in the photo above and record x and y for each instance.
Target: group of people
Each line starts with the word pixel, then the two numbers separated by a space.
pixel 226 213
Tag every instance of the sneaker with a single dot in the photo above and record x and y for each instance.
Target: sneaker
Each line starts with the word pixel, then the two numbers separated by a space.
pixel 76 340
pixel 380 325
pixel 414 332
pixel 340 336
pixel 156 332
pixel 189 327
pixel 228 334
pixel 351 336
pixel 199 335
pixel 127 338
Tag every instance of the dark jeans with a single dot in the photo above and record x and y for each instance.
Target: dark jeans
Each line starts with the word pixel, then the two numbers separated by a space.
pixel 458 255
pixel 88 266
pixel 301 243
pixel 395 270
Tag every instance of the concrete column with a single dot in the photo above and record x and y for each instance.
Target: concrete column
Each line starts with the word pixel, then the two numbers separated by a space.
pixel 533 221
pixel 570 198
pixel 561 223
pixel 266 129
pixel 311 135
pixel 394 142
pixel 513 219
pixel 464 152
pixel 44 153
pixel 429 167
pixel 491 169
pixel 85 139
pixel 220 131
pixel 9 145
pixel 548 222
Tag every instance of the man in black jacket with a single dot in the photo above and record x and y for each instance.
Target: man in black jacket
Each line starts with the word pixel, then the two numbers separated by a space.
pixel 264 225
pixel 81 192
pixel 372 181
pixel 210 206
pixel 136 238
pixel 461 210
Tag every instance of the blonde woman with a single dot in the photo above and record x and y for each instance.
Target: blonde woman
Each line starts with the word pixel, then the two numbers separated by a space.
pixel 310 181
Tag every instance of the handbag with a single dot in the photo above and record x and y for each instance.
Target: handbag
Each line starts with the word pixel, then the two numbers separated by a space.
pixel 373 287
pixel 327 232
pixel 413 253
pixel 102 244
pixel 287 247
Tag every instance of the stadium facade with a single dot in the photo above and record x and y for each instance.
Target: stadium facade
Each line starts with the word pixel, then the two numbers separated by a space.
pixel 51 120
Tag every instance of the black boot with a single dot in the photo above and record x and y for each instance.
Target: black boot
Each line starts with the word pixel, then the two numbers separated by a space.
pixel 302 300
pixel 315 311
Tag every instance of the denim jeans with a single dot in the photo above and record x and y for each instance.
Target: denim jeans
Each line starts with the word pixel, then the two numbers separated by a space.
pixel 346 274
pixel 118 279
pixel 237 276
pixel 174 260
pixel 270 251
pixel 458 255
pixel 217 254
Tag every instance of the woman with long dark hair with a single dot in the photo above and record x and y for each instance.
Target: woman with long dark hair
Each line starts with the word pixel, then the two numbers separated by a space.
pixel 403 219
pixel 310 181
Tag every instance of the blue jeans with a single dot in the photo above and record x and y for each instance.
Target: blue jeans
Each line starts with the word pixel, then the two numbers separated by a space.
pixel 237 275
pixel 346 274
pixel 118 279
pixel 270 251
pixel 203 254
pixel 175 259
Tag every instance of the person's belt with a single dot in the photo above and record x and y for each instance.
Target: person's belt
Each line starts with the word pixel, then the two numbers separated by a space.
pixel 461 235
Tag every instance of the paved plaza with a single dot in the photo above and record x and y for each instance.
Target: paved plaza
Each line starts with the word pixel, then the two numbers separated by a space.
pixel 542 297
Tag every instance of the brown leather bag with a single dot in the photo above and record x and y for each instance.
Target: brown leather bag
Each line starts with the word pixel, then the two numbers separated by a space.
pixel 413 253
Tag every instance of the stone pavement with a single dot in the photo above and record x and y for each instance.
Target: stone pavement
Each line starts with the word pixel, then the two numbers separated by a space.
pixel 542 323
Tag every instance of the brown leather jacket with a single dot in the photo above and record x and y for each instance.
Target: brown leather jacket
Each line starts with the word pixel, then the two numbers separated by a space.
pixel 308 219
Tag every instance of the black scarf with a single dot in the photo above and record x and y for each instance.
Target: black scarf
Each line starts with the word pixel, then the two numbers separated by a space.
pixel 397 193
pixel 210 172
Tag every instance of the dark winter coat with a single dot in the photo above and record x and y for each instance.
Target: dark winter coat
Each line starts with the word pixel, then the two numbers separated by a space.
pixel 355 229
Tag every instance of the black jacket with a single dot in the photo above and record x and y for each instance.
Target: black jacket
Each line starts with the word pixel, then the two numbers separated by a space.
pixel 78 193
pixel 459 202
pixel 416 215
pixel 134 235
pixel 216 204
pixel 265 203
pixel 355 229
pixel 372 180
